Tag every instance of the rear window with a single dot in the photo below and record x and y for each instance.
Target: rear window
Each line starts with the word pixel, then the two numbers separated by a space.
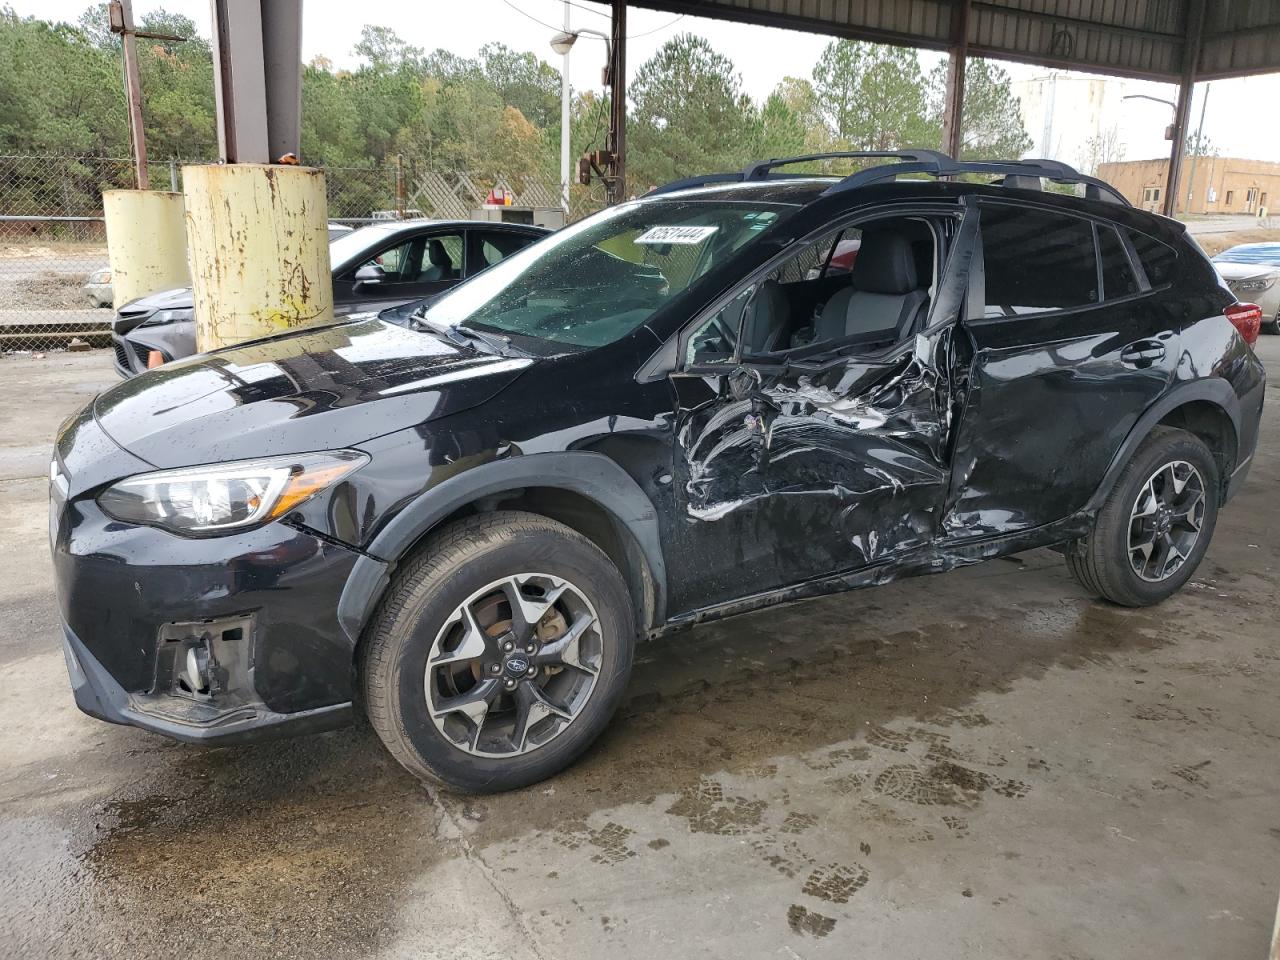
pixel 1036 261
pixel 1157 259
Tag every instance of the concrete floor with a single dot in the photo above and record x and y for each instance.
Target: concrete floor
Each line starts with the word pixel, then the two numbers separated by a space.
pixel 983 764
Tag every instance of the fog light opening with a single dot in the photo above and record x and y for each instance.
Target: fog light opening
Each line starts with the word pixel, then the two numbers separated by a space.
pixel 154 359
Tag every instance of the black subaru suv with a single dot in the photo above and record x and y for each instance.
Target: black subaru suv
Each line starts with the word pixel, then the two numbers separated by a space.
pixel 739 390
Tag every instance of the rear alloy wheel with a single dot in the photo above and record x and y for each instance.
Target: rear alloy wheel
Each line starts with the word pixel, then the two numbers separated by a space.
pixel 1166 520
pixel 1155 525
pixel 499 653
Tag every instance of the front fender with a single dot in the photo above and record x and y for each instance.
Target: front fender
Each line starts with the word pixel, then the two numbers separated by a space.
pixel 591 475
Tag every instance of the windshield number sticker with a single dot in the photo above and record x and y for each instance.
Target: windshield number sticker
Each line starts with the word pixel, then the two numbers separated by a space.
pixel 663 235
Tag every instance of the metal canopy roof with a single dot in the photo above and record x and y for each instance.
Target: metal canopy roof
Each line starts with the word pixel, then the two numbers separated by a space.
pixel 1135 38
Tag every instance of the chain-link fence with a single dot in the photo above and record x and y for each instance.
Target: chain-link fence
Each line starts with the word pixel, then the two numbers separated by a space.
pixel 54 284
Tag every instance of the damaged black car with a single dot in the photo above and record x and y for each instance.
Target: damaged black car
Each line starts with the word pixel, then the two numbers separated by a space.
pixel 740 390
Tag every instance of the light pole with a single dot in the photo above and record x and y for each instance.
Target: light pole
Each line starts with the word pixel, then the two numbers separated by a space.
pixel 562 43
pixel 1169 131
pixel 564 114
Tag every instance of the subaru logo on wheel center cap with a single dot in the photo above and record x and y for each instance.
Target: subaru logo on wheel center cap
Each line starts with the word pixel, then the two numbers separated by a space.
pixel 516 666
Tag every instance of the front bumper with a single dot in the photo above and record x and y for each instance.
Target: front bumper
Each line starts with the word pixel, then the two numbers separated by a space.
pixel 258 611
pixel 99 695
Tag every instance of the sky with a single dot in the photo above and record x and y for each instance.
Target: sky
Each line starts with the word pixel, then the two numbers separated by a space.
pixel 763 55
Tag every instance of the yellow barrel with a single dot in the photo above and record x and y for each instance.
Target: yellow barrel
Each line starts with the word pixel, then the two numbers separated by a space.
pixel 259 250
pixel 146 242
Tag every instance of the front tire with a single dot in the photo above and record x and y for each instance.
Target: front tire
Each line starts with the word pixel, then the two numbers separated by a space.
pixel 499 653
pixel 1155 525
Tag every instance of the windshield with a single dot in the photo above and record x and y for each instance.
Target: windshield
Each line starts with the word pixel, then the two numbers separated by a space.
pixel 1267 254
pixel 597 280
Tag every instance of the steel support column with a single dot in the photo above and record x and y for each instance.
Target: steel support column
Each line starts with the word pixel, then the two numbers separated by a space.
pixel 958 58
pixel 617 146
pixel 1186 86
pixel 257 78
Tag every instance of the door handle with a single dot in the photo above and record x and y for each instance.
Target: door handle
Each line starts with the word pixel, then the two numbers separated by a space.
pixel 1142 353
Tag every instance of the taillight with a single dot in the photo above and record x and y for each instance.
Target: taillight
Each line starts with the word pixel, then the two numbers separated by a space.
pixel 1247 318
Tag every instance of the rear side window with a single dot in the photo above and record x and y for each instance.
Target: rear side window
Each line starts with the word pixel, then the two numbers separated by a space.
pixel 1118 279
pixel 1157 259
pixel 1036 261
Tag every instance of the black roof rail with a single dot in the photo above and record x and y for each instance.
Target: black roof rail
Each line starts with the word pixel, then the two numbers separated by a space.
pixel 760 169
pixel 929 162
pixel 1095 189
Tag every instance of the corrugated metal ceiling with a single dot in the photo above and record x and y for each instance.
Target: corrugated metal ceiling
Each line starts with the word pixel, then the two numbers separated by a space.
pixel 1140 38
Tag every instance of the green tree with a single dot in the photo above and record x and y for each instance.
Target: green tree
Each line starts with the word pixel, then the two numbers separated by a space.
pixel 523 81
pixel 689 114
pixel 780 131
pixel 383 48
pixel 871 96
pixel 991 128
pixel 177 89
pixel 59 91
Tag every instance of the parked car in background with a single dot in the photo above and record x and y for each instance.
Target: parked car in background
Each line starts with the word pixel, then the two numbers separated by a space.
pixel 659 416
pixel 100 293
pixel 375 267
pixel 98 287
pixel 1251 272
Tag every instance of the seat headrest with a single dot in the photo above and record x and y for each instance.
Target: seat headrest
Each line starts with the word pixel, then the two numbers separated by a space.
pixel 885 263
pixel 438 255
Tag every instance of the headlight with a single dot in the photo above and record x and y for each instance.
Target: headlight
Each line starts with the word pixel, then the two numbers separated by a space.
pixel 100 276
pixel 170 316
pixel 1250 286
pixel 226 496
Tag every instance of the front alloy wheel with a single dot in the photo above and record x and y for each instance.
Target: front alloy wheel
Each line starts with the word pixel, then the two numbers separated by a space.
pixel 500 651
pixel 513 665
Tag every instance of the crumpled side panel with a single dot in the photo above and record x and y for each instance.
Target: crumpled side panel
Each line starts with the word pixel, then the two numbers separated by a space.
pixel 833 470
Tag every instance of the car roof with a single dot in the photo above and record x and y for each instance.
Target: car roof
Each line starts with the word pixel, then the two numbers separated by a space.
pixel 790 190
pixel 1265 246
pixel 417 223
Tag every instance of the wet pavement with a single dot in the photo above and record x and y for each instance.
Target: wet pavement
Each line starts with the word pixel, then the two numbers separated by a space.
pixel 985 763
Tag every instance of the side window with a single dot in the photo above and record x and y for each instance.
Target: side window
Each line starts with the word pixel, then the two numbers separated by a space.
pixel 714 340
pixel 865 287
pixel 441 259
pixel 1157 259
pixel 495 247
pixel 391 264
pixel 1118 279
pixel 1036 261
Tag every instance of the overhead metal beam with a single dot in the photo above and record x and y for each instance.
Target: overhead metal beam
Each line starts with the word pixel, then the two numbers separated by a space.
pixel 1145 39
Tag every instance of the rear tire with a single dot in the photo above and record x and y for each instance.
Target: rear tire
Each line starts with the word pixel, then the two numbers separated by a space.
pixel 499 653
pixel 1152 531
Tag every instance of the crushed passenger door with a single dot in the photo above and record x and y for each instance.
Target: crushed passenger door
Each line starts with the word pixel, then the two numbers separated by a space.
pixel 798 470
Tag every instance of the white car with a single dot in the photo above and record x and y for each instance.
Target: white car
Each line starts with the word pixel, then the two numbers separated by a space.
pixel 98 287
pixel 1251 272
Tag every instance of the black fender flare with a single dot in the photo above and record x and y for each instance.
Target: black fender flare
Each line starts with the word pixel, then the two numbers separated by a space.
pixel 1212 389
pixel 589 474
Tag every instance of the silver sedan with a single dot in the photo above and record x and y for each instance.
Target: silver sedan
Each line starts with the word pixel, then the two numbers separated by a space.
pixel 1252 272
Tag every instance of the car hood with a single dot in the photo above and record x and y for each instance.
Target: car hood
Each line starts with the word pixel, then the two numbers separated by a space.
pixel 314 389
pixel 1229 270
